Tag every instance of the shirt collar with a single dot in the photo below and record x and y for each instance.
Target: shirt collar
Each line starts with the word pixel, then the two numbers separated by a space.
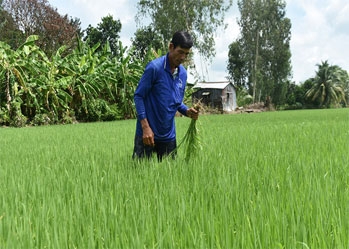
pixel 167 66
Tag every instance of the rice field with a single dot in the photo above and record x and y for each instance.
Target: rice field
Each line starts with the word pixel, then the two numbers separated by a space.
pixel 266 180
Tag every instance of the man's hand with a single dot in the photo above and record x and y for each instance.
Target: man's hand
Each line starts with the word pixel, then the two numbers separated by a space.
pixel 192 113
pixel 148 135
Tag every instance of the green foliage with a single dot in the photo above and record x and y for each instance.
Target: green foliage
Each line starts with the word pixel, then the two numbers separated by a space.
pixel 101 110
pixel 42 119
pixel 129 71
pixel 38 17
pixel 145 40
pixel 294 97
pixel 13 69
pixel 243 97
pixel 201 18
pixel 4 117
pixel 85 85
pixel 237 65
pixel 260 58
pixel 329 86
pixel 107 32
pixel 10 34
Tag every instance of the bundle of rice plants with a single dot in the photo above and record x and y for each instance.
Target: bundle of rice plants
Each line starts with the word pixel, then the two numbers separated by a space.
pixel 191 140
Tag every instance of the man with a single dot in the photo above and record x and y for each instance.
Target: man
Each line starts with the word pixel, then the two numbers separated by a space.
pixel 159 96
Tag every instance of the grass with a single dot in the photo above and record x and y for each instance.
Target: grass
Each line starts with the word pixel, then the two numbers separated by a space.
pixel 268 180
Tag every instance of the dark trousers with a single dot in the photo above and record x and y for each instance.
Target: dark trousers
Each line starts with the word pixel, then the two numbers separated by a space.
pixel 161 149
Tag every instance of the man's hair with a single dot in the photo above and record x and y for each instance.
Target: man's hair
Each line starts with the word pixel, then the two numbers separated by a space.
pixel 182 39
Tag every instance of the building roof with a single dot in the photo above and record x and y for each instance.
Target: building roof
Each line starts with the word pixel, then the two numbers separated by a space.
pixel 212 85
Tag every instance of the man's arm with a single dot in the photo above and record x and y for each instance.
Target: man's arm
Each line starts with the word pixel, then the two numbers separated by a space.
pixel 189 112
pixel 141 92
pixel 193 113
pixel 148 135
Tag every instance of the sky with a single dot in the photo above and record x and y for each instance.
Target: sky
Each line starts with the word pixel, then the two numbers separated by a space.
pixel 320 32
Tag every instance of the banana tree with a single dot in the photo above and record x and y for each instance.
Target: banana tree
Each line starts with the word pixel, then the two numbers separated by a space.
pixel 86 67
pixel 13 68
pixel 51 85
pixel 129 70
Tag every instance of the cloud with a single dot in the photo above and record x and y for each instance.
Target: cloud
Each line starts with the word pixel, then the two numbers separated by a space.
pixel 217 69
pixel 319 32
pixel 91 12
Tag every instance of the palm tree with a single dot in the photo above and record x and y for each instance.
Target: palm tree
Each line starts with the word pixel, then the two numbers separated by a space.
pixel 328 86
pixel 344 78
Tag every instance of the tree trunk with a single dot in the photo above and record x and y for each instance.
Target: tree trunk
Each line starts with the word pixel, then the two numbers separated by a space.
pixel 8 94
pixel 256 68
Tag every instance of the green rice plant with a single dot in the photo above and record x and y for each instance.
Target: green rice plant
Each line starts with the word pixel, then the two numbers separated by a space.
pixel 267 180
pixel 191 140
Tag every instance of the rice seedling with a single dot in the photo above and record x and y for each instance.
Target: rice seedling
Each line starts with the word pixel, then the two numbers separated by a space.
pixel 191 140
pixel 269 180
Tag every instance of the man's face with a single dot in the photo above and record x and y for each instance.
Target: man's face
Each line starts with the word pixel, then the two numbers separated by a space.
pixel 178 55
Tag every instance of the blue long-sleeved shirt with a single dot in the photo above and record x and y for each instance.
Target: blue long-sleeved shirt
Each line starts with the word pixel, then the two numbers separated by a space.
pixel 159 96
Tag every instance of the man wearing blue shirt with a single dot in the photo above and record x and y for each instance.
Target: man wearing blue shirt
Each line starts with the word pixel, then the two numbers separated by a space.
pixel 159 96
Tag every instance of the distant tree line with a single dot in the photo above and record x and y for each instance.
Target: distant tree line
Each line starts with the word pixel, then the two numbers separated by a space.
pixel 52 71
pixel 259 63
pixel 20 19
